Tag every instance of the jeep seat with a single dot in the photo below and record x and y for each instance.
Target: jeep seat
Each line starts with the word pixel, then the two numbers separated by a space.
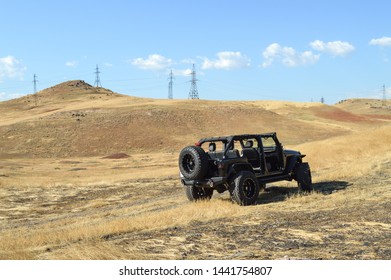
pixel 249 144
pixel 252 156
pixel 233 153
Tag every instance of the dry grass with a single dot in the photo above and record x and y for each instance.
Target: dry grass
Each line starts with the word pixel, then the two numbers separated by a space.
pixel 51 172
pixel 61 199
pixel 92 229
pixel 147 218
pixel 354 155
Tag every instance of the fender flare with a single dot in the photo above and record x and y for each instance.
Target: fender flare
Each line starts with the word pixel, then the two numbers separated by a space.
pixel 291 162
pixel 238 167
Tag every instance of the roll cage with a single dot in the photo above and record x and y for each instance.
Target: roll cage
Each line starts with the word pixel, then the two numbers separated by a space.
pixel 229 142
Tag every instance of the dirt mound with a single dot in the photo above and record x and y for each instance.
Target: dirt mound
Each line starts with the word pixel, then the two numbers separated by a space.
pixel 75 83
pixel 117 156
pixel 60 95
pixel 75 86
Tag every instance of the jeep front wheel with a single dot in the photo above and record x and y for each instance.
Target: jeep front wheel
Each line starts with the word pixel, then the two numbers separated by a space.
pixel 196 193
pixel 303 177
pixel 193 162
pixel 244 188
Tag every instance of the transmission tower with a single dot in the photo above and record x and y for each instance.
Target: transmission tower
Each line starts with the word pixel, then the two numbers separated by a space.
pixel 384 96
pixel 97 79
pixel 35 81
pixel 193 94
pixel 170 96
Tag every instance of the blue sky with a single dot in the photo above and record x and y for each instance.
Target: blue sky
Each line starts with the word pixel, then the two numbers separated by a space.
pixel 242 50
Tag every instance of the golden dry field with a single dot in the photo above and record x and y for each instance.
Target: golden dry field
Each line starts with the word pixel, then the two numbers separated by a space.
pixel 87 173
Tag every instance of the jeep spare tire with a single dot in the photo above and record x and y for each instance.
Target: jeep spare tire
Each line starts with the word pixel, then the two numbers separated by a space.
pixel 193 162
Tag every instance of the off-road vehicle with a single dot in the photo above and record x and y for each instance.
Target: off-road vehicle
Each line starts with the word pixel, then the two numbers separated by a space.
pixel 240 164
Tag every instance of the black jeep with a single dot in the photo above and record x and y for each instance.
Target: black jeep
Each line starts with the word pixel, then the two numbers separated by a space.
pixel 240 164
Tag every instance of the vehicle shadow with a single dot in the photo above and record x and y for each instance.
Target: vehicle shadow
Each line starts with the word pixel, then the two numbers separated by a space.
pixel 276 193
pixel 329 187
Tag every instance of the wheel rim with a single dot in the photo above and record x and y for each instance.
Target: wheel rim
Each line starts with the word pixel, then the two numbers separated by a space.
pixel 249 188
pixel 188 163
pixel 201 193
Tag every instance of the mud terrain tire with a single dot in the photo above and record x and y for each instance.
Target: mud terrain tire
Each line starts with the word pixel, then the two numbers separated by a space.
pixel 193 162
pixel 303 177
pixel 244 188
pixel 196 193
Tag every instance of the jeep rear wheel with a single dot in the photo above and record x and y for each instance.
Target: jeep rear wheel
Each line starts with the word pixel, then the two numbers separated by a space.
pixel 193 162
pixel 303 177
pixel 244 188
pixel 196 193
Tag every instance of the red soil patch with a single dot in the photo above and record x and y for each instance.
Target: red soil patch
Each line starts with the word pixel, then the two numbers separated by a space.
pixel 117 156
pixel 379 117
pixel 337 114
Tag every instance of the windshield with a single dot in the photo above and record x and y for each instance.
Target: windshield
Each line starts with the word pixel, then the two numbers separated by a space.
pixel 268 142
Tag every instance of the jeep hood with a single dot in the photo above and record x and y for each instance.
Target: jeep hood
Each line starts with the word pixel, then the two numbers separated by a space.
pixel 292 153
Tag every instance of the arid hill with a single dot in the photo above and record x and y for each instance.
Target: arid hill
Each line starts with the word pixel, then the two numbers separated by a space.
pixel 86 173
pixel 75 119
pixel 371 107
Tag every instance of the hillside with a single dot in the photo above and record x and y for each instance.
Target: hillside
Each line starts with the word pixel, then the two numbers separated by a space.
pixel 76 119
pixel 370 107
pixel 86 173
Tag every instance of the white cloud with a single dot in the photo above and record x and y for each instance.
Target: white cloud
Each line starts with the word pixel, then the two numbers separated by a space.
pixel 335 48
pixel 7 96
pixel 153 62
pixel 108 64
pixel 227 61
pixel 179 72
pixel 288 56
pixel 72 63
pixel 11 67
pixel 383 41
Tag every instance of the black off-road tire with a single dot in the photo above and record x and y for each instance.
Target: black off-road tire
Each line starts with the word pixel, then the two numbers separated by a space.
pixel 244 188
pixel 193 162
pixel 196 193
pixel 303 177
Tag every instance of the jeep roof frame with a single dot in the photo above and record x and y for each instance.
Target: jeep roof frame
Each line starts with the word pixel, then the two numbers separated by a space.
pixel 227 140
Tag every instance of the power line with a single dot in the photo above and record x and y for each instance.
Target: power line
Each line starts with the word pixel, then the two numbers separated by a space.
pixel 193 94
pixel 170 95
pixel 97 79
